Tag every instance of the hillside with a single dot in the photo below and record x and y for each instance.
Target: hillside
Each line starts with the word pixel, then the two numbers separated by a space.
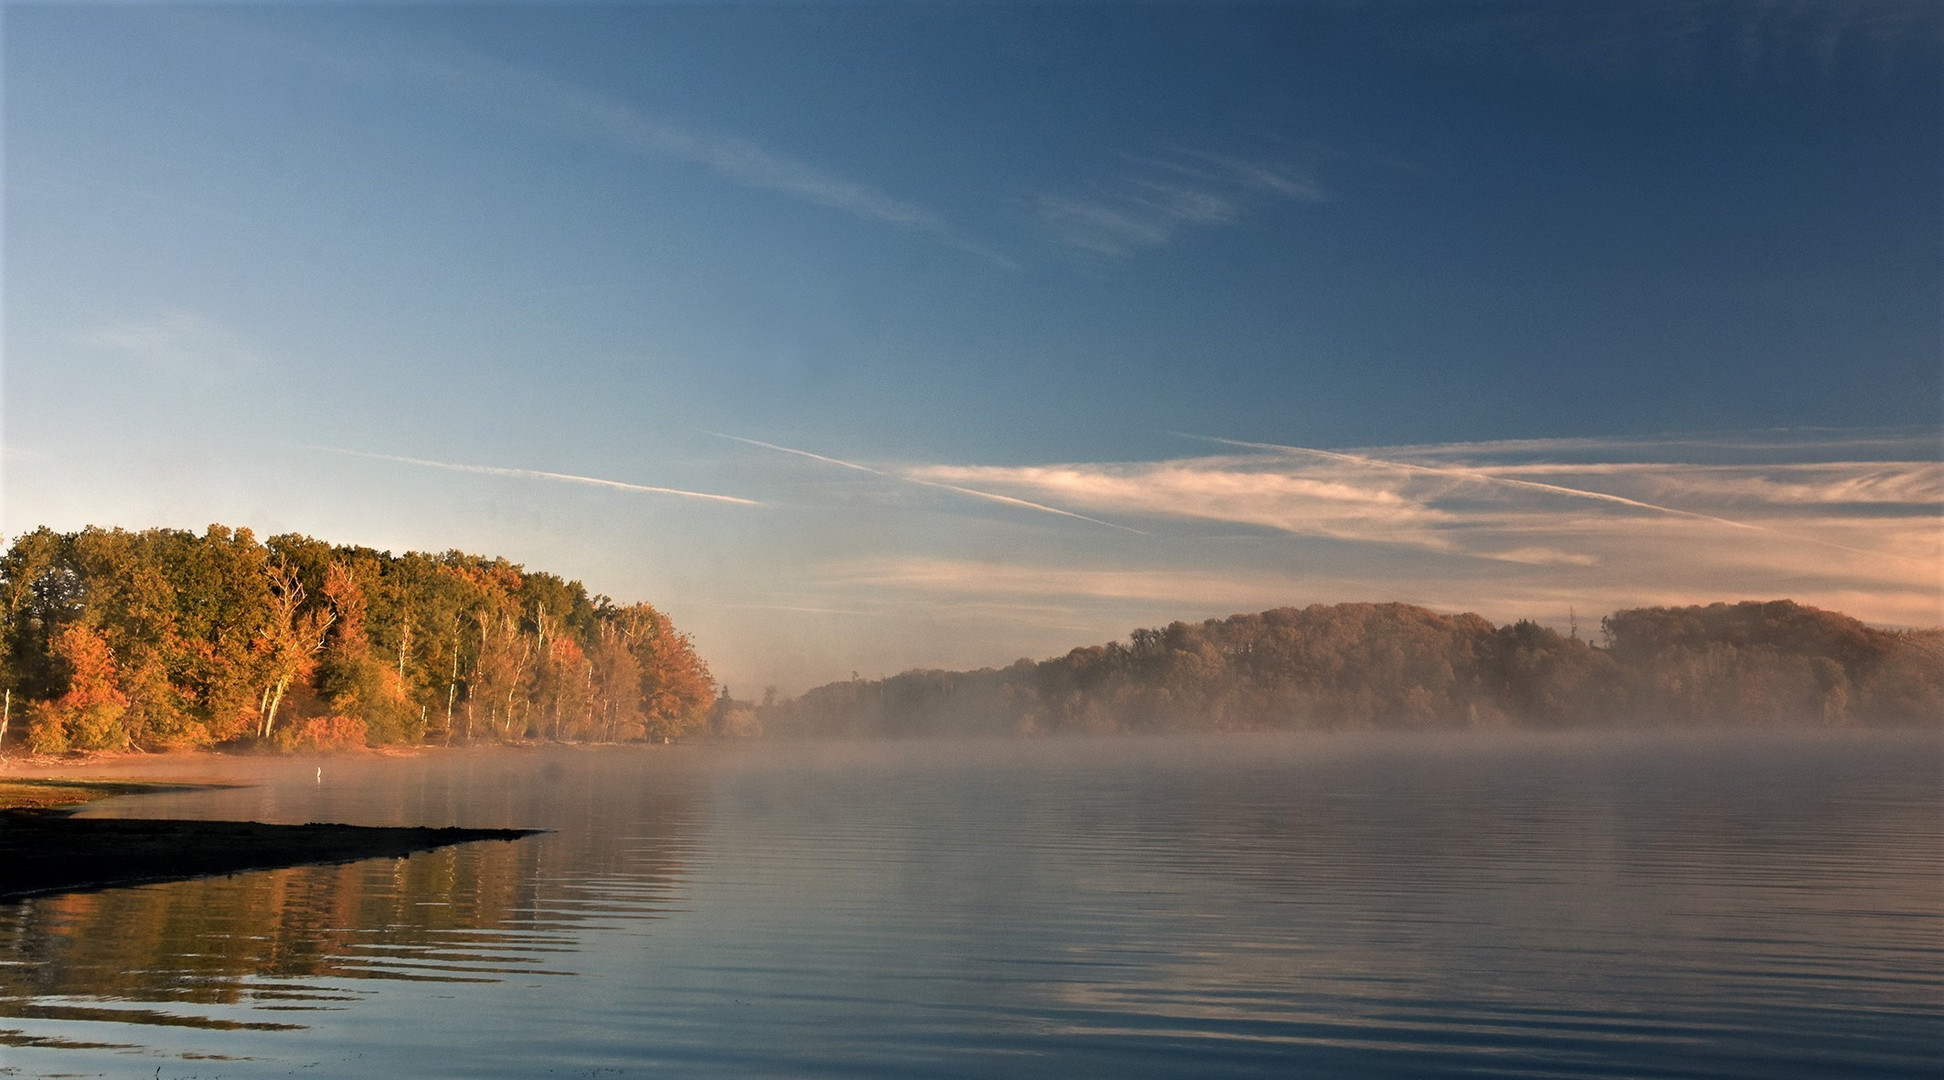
pixel 1400 667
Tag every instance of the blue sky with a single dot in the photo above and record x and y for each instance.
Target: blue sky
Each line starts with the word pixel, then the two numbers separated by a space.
pixel 1594 305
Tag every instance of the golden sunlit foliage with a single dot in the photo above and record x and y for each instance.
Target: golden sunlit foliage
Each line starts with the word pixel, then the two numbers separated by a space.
pixel 162 638
pixel 1397 666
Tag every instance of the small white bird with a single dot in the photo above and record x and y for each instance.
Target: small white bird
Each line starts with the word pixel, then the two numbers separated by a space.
pixel 320 774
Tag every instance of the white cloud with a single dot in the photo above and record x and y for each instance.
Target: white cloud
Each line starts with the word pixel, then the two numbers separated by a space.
pixel 1232 490
pixel 1792 444
pixel 1917 485
pixel 1433 525
pixel 917 477
pixel 1543 556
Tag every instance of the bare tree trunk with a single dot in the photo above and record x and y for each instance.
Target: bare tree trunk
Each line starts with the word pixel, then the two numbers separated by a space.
pixel 294 639
pixel 276 699
pixel 452 691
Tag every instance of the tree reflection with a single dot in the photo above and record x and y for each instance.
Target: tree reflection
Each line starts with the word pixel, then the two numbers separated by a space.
pixel 252 948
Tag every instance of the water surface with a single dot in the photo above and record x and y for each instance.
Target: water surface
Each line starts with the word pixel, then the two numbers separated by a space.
pixel 1733 905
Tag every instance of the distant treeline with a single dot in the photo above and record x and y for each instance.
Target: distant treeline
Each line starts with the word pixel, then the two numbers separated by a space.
pixel 1398 666
pixel 162 639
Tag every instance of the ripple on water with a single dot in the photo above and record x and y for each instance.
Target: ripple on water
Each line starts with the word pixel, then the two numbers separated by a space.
pixel 1530 906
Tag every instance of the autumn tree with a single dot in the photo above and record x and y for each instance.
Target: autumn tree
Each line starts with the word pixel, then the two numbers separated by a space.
pixel 355 680
pixel 500 669
pixel 222 638
pixel 1400 666
pixel 293 635
pixel 676 688
pixel 88 715
pixel 615 682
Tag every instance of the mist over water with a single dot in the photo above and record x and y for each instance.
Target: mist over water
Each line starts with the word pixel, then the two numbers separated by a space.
pixel 1727 905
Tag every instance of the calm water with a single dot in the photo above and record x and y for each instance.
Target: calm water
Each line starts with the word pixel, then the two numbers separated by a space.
pixel 1332 906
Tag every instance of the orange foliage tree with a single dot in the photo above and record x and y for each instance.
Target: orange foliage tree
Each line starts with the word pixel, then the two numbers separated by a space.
pixel 89 715
pixel 165 638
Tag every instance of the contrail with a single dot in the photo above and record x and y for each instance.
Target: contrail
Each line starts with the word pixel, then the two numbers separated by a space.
pixel 1021 502
pixel 802 453
pixel 1482 476
pixel 539 474
pixel 909 479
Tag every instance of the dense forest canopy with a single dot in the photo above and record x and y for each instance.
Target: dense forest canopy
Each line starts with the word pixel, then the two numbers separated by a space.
pixel 1398 666
pixel 163 639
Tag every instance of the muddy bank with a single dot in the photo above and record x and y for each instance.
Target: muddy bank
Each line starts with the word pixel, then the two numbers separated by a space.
pixel 48 793
pixel 43 849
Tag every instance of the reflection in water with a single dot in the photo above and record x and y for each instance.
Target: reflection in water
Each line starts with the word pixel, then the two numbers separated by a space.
pixel 1343 906
pixel 1351 906
pixel 261 951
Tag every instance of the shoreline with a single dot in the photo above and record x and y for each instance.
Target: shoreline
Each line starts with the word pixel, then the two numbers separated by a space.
pixel 58 794
pixel 14 762
pixel 47 850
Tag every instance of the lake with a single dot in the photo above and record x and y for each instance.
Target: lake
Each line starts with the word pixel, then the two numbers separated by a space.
pixel 1730 905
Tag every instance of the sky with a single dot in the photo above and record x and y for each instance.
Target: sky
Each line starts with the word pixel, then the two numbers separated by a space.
pixel 862 337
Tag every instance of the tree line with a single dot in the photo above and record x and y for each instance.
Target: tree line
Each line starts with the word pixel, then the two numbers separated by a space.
pixel 1397 666
pixel 163 639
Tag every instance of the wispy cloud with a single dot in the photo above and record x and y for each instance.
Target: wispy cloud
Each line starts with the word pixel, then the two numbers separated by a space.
pixel 1147 593
pixel 1009 500
pixel 1545 556
pixel 917 476
pixel 1159 197
pixel 1238 528
pixel 178 343
pixel 537 102
pixel 1794 445
pixel 1233 490
pixel 1434 525
pixel 1893 485
pixel 539 474
pixel 1471 474
pixel 735 158
pixel 557 107
pixel 985 578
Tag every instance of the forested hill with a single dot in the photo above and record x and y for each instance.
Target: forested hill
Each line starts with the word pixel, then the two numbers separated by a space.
pixel 162 639
pixel 1398 666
